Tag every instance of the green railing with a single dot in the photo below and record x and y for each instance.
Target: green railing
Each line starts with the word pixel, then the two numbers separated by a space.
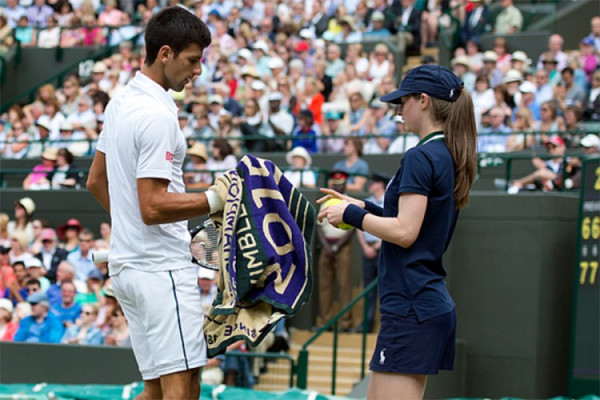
pixel 510 158
pixel 287 140
pixel 485 159
pixel 7 173
pixel 302 363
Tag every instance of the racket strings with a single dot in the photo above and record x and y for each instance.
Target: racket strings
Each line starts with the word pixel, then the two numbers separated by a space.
pixel 205 247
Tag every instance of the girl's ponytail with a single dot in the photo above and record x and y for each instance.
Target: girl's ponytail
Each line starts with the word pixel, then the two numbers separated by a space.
pixel 461 137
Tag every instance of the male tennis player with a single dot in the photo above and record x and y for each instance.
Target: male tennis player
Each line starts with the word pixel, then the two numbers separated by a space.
pixel 137 177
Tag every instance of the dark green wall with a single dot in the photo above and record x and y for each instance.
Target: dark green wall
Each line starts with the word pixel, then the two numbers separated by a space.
pixel 36 363
pixel 510 272
pixel 57 206
pixel 36 66
pixel 572 21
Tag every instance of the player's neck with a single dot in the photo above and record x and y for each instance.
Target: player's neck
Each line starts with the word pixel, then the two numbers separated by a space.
pixel 155 73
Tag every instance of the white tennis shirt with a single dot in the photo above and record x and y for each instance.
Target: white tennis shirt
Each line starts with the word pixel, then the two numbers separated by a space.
pixel 141 139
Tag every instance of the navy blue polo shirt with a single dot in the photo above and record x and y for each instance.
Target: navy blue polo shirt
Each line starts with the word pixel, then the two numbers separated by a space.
pixel 413 278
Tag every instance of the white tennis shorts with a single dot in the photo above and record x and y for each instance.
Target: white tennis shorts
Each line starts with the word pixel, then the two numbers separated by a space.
pixel 165 319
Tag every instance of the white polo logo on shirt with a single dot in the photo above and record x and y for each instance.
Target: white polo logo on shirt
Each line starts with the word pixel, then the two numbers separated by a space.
pixel 382 357
pixel 169 156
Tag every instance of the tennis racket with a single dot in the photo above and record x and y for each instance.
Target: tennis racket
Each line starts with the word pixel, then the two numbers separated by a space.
pixel 205 245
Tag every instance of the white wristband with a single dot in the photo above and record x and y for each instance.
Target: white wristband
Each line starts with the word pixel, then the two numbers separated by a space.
pixel 99 256
pixel 215 204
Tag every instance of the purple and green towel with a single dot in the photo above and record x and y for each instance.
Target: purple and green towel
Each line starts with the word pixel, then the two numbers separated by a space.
pixel 264 252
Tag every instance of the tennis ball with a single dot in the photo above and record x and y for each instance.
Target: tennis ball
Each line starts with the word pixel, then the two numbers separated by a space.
pixel 331 202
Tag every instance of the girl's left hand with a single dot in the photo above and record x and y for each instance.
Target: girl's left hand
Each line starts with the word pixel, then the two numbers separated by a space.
pixel 334 213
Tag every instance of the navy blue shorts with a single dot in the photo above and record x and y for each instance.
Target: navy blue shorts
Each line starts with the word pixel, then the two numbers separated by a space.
pixel 407 346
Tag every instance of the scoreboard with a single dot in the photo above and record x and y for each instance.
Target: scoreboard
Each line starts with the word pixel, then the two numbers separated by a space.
pixel 584 371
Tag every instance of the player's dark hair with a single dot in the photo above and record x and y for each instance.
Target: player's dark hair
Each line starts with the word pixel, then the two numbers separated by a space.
pixel 461 137
pixel 177 28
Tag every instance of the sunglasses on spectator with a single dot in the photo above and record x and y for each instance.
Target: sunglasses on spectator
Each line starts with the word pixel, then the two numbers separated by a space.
pixel 86 313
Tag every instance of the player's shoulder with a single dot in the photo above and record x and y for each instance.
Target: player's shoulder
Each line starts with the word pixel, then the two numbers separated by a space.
pixel 146 110
pixel 136 97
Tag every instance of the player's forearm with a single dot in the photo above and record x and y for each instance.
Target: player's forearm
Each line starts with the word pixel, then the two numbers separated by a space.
pixel 163 208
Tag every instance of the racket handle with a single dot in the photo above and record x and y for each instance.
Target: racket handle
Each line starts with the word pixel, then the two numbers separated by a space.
pixel 99 256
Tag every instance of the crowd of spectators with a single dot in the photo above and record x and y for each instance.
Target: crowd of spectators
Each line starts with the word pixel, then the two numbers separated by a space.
pixel 276 78
pixel 50 289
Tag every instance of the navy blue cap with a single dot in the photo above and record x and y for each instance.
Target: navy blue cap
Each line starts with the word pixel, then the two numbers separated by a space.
pixel 433 80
